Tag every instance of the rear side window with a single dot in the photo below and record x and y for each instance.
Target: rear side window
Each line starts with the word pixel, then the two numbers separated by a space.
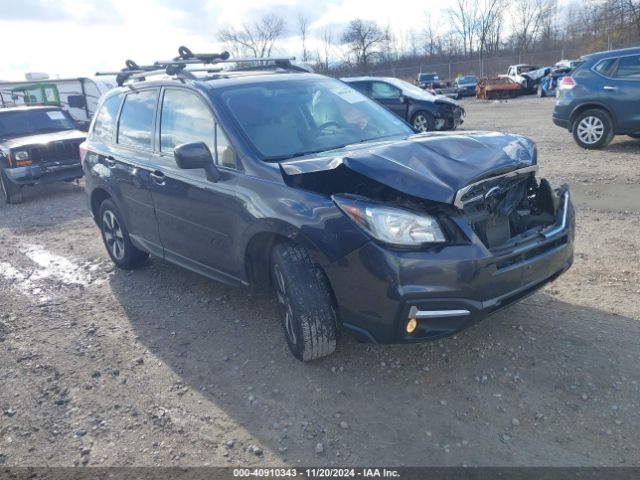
pixel 384 90
pixel 629 68
pixel 105 123
pixel 136 119
pixel 605 67
pixel 185 118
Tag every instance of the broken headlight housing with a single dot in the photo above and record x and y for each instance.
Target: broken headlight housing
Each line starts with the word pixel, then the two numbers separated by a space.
pixel 391 225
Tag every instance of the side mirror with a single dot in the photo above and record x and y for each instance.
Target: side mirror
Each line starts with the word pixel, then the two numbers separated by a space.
pixel 194 155
pixel 402 99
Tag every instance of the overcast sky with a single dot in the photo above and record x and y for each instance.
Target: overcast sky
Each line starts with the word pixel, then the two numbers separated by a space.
pixel 77 38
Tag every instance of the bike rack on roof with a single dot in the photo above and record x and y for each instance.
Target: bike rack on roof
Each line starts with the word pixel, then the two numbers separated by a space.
pixel 177 66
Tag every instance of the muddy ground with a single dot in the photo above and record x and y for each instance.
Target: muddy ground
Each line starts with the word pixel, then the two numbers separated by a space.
pixel 164 367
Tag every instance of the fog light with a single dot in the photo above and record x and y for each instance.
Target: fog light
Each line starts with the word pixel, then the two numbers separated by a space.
pixel 412 325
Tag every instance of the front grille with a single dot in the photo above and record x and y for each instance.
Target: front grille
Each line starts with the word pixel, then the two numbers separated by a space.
pixel 66 152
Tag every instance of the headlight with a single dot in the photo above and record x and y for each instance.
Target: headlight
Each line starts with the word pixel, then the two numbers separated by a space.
pixel 21 155
pixel 391 225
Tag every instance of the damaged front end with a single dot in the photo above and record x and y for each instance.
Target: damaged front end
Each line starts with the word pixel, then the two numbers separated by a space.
pixel 513 208
pixel 460 227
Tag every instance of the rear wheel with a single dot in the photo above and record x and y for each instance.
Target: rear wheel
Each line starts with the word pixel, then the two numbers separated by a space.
pixel 305 302
pixel 423 121
pixel 11 193
pixel 116 238
pixel 593 129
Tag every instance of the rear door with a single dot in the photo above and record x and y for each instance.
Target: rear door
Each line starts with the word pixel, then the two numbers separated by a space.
pixel 123 155
pixel 624 91
pixel 199 220
pixel 389 96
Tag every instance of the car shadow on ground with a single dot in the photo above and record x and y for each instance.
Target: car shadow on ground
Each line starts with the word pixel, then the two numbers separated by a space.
pixel 530 385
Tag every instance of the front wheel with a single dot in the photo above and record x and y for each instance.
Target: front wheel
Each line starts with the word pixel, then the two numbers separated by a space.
pixel 305 302
pixel 116 238
pixel 11 193
pixel 423 122
pixel 593 129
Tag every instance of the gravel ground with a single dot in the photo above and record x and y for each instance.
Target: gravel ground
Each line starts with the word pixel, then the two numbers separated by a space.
pixel 163 367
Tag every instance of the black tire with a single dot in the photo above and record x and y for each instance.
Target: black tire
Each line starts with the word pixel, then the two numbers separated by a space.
pixel 309 319
pixel 11 193
pixel 541 92
pixel 593 129
pixel 116 238
pixel 423 121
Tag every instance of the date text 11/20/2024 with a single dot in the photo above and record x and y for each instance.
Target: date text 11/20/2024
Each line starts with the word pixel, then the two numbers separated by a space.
pixel 316 472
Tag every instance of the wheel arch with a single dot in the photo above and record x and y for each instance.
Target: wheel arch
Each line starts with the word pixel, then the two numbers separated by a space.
pixel 591 106
pixel 260 244
pixel 98 195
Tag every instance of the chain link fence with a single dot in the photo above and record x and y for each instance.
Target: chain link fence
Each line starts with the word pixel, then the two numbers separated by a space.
pixel 492 65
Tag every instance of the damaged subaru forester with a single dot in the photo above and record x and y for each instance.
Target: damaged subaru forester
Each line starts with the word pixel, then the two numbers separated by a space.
pixel 298 183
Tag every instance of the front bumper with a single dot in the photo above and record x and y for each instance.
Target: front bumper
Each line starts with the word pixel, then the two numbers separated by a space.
pixel 446 288
pixel 50 173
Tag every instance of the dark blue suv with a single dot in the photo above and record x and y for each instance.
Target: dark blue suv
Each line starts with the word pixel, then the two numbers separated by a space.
pixel 297 182
pixel 601 98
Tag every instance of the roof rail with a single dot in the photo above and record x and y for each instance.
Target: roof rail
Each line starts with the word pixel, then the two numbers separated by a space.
pixel 177 66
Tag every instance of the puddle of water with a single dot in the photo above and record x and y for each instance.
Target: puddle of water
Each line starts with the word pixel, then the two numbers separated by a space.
pixel 21 282
pixel 609 197
pixel 49 273
pixel 52 265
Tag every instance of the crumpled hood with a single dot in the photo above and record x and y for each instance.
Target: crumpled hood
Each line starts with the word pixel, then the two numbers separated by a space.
pixel 431 166
pixel 42 138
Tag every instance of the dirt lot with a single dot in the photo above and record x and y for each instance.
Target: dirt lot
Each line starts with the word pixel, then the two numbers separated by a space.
pixel 163 367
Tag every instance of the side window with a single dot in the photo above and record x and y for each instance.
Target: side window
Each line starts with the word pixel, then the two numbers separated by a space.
pixel 384 90
pixel 629 68
pixel 136 119
pixel 224 154
pixel 185 118
pixel 105 122
pixel 605 67
pixel 362 87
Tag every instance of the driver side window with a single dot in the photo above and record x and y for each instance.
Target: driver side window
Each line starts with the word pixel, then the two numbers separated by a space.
pixel 384 91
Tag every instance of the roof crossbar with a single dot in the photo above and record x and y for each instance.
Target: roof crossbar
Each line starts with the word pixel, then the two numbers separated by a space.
pixel 177 66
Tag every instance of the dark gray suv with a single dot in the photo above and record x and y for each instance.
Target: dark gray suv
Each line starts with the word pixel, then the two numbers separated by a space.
pixel 601 98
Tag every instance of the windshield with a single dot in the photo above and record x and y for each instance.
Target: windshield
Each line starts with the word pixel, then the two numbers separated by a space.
pixel 425 77
pixel 468 80
pixel 410 90
pixel 20 123
pixel 287 119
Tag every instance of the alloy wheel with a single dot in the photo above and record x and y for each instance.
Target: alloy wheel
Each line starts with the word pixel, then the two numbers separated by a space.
pixel 113 235
pixel 285 305
pixel 421 123
pixel 590 130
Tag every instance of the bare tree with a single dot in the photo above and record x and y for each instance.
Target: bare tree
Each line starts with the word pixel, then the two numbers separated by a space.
pixel 528 19
pixel 464 17
pixel 257 39
pixel 430 34
pixel 302 29
pixel 325 51
pixel 364 39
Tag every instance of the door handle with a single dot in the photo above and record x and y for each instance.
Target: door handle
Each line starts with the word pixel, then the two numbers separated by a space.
pixel 110 161
pixel 610 87
pixel 158 177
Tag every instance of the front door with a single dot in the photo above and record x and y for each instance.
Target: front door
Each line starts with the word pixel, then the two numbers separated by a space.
pixel 390 96
pixel 199 220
